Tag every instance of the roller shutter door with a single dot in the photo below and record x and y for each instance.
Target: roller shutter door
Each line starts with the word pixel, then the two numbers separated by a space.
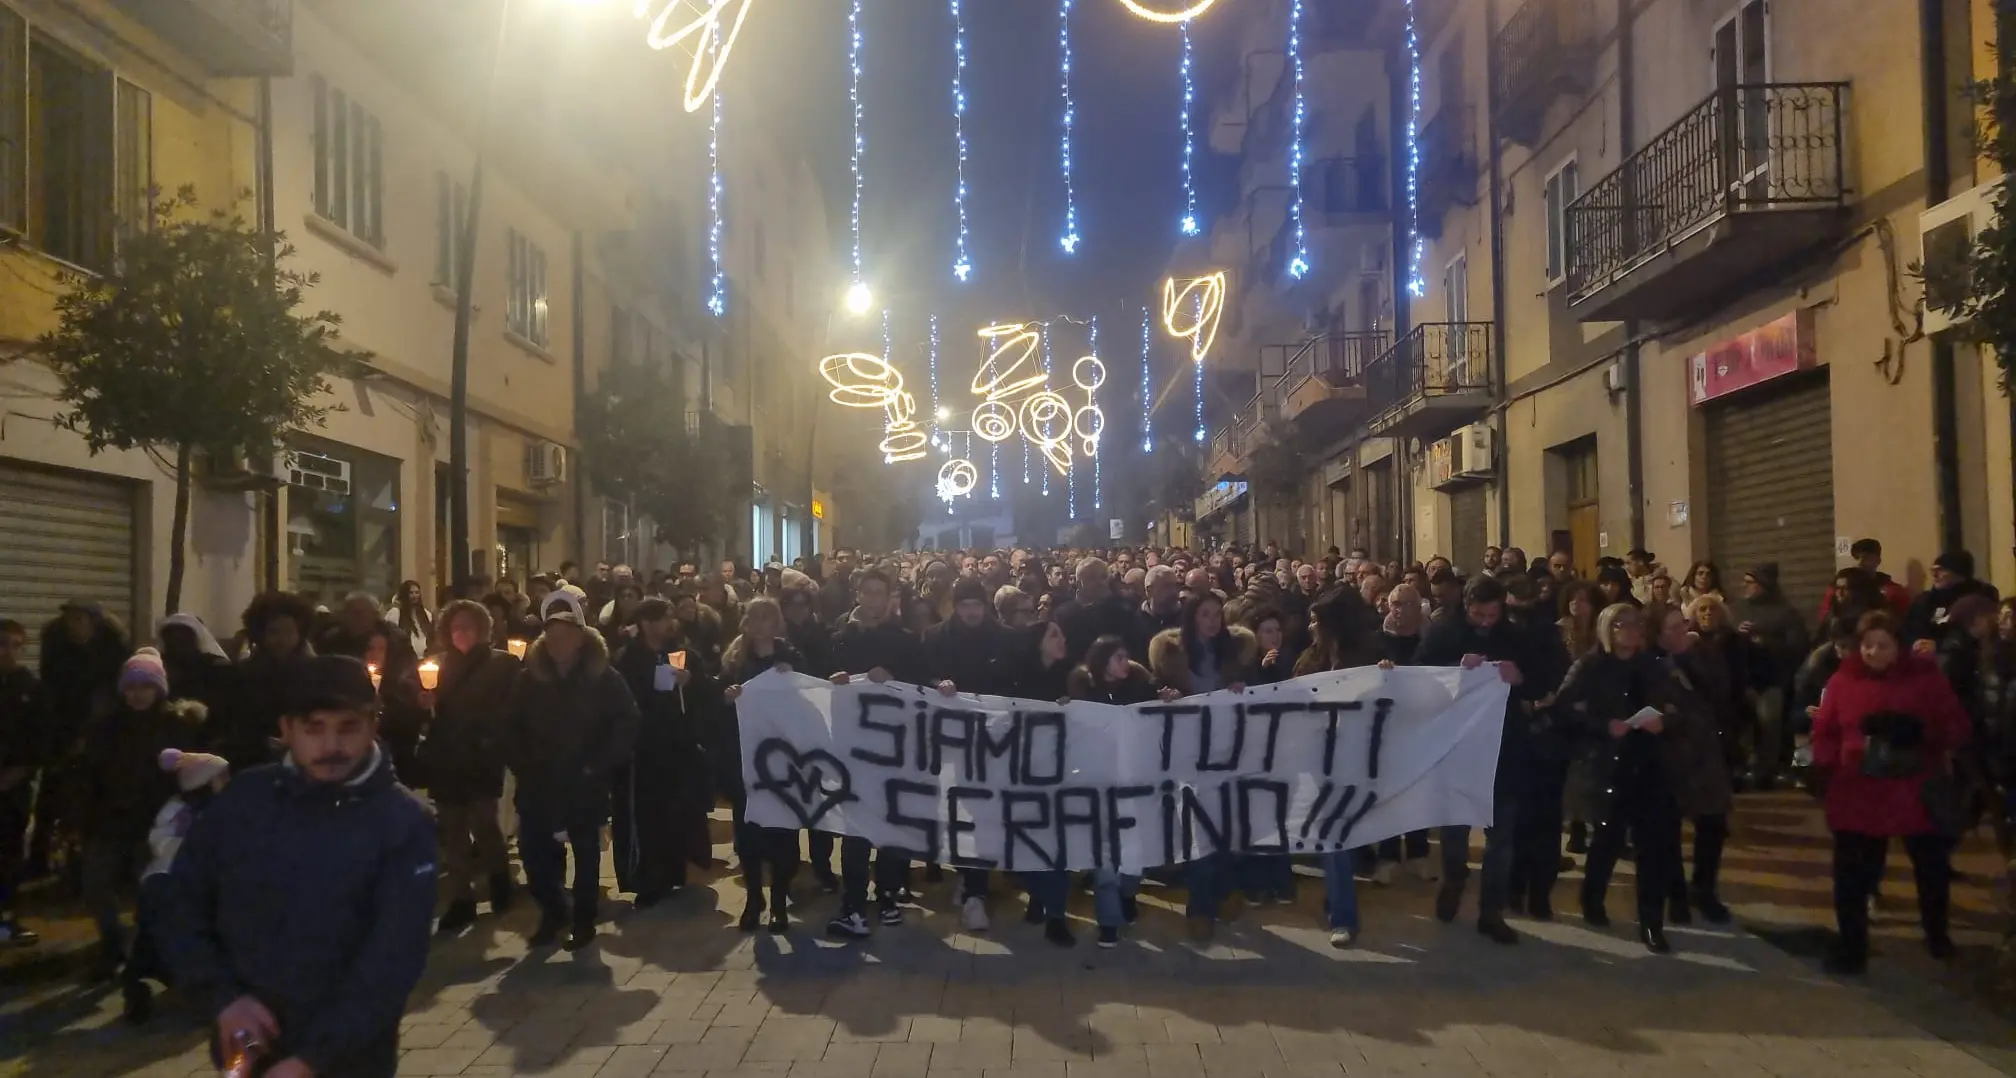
pixel 1771 487
pixel 1467 529
pixel 63 535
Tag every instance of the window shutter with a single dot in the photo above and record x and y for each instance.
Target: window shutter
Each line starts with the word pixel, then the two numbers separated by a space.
pixel 13 121
pixel 319 90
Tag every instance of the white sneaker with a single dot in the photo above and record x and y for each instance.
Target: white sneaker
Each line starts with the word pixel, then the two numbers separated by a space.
pixel 1383 875
pixel 1341 938
pixel 973 914
pixel 1426 870
pixel 849 924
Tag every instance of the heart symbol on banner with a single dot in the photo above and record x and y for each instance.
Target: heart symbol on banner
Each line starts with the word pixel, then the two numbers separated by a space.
pixel 809 783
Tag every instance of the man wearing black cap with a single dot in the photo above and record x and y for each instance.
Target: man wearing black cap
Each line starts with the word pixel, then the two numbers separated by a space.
pixel 299 908
pixel 1952 581
pixel 572 725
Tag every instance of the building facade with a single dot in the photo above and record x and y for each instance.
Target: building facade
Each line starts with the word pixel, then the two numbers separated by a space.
pixel 352 128
pixel 1664 295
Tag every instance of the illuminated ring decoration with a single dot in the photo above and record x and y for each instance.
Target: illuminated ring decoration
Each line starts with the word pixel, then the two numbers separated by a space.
pixel 1198 7
pixel 860 380
pixel 901 409
pixel 1046 418
pixel 902 445
pixel 1003 375
pixel 1089 423
pixel 1089 373
pixel 710 52
pixel 957 479
pixel 1191 311
pixel 994 421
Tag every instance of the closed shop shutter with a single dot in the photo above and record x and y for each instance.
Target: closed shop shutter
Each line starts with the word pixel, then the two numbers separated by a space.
pixel 1771 487
pixel 1466 529
pixel 1379 487
pixel 63 536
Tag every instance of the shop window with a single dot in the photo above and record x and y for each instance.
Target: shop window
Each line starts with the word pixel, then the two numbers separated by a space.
pixel 342 522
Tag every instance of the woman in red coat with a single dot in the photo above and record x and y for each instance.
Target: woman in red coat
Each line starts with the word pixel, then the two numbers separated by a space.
pixel 1888 723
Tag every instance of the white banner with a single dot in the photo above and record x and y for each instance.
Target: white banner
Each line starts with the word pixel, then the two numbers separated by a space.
pixel 1331 761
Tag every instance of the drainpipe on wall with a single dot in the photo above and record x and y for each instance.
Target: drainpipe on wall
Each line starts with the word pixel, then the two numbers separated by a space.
pixel 1634 391
pixel 1938 184
pixel 580 378
pixel 269 510
pixel 1500 465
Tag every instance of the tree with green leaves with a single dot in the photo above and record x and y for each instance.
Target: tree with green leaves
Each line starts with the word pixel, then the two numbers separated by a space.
pixel 193 344
pixel 1969 281
pixel 633 429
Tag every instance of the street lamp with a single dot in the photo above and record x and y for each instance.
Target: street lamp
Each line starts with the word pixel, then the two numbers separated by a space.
pixel 859 298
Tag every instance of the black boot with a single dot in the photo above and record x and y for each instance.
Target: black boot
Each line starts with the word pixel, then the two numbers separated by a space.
pixel 460 915
pixel 500 892
pixel 752 895
pixel 139 1004
pixel 551 921
pixel 1449 899
pixel 1678 912
pixel 582 934
pixel 1711 907
pixel 780 902
pixel 1654 939
pixel 1540 905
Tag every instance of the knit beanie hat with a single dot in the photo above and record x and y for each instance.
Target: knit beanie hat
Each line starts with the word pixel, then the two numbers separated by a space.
pixel 193 770
pixel 144 668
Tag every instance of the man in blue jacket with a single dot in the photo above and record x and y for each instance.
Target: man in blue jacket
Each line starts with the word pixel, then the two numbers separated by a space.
pixel 299 908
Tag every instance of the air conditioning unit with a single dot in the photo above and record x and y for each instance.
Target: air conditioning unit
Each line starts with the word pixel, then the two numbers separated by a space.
pixel 313 471
pixel 1475 447
pixel 545 463
pixel 1946 232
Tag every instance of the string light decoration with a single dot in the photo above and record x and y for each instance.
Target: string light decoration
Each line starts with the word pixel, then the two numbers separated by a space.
pixel 1182 15
pixel 1147 389
pixel 1417 285
pixel 962 263
pixel 938 414
pixel 1088 423
pixel 854 98
pixel 1189 225
pixel 718 24
pixel 717 299
pixel 1204 298
pixel 1069 241
pixel 956 479
pixel 1046 385
pixel 864 380
pixel 1298 263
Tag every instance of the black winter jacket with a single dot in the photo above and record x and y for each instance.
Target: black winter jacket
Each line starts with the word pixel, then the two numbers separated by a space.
pixel 316 900
pixel 859 647
pixel 975 659
pixel 462 754
pixel 120 784
pixel 1445 643
pixel 82 680
pixel 567 733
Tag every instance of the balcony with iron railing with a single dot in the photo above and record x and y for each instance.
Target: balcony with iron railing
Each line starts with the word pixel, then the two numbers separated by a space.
pixel 1448 169
pixel 1344 190
pixel 1747 179
pixel 230 38
pixel 1322 390
pixel 1433 380
pixel 1546 49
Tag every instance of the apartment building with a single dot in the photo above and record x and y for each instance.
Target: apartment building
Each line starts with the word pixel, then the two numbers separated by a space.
pixel 353 123
pixel 1309 253
pixel 1664 290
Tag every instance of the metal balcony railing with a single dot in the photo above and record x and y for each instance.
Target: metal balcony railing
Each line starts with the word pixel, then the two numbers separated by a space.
pixel 1448 169
pixel 1434 359
pixel 1750 148
pixel 1345 185
pixel 1543 49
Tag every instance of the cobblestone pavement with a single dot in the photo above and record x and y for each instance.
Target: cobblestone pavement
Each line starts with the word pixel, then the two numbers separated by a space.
pixel 676 990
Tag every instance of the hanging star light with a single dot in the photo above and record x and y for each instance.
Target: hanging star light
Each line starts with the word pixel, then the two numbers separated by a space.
pixel 1182 15
pixel 717 300
pixel 1147 391
pixel 1069 241
pixel 1188 225
pixel 962 264
pixel 717 28
pixel 1298 261
pixel 860 284
pixel 1417 285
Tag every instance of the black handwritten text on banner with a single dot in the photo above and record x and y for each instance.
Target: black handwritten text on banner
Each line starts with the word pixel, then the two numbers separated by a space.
pixel 1330 761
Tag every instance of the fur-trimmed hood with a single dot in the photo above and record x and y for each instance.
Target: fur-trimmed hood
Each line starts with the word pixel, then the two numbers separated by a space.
pixel 1169 664
pixel 594 658
pixel 1138 687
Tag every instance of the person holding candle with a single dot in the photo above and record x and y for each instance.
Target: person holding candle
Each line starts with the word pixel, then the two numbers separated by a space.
pixel 462 757
pixel 661 797
pixel 571 725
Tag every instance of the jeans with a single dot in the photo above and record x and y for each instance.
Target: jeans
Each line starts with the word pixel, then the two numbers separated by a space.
pixel 1048 891
pixel 1499 847
pixel 472 845
pixel 890 867
pixel 1340 889
pixel 545 857
pixel 1858 865
pixel 109 865
pixel 1208 879
pixel 1109 886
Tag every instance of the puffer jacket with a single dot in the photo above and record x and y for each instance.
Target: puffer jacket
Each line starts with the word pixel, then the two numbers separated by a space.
pixel 462 754
pixel 120 784
pixel 1169 662
pixel 317 900
pixel 1912 685
pixel 567 732
pixel 1690 740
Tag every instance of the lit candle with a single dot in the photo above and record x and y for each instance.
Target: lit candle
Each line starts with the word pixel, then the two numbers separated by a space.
pixel 373 668
pixel 677 659
pixel 516 648
pixel 430 675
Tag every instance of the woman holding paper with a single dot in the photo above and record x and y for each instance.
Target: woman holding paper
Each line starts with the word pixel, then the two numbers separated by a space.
pixel 759 649
pixel 1607 697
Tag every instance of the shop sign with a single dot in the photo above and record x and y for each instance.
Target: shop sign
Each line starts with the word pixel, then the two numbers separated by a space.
pixel 818 509
pixel 1441 462
pixel 1220 496
pixel 1780 347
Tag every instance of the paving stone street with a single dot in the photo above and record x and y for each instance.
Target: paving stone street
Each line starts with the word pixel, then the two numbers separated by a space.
pixel 675 990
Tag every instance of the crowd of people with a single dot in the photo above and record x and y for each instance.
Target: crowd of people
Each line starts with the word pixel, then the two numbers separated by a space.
pixel 259 794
